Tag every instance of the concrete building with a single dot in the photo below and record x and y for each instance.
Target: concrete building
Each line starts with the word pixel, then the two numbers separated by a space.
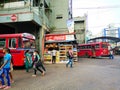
pixel 80 27
pixel 35 17
pixel 61 12
pixel 17 16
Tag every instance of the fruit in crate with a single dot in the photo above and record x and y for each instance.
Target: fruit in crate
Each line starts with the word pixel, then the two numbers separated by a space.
pixel 51 45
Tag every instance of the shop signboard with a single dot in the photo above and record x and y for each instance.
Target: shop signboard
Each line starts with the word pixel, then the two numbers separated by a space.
pixel 14 17
pixel 70 37
pixel 8 18
pixel 20 17
pixel 60 38
pixel 56 38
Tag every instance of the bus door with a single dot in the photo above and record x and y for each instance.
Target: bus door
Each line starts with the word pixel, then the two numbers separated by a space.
pixel 12 43
pixel 98 50
pixel 15 52
pixel 93 51
pixel 2 44
pixel 105 49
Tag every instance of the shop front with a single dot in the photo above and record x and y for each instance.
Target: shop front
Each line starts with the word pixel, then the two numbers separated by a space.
pixel 60 43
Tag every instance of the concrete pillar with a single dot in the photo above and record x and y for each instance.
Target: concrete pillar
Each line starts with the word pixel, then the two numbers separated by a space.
pixel 41 40
pixel 42 29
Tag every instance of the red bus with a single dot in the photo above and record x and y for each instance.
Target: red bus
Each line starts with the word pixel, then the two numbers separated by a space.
pixel 18 44
pixel 96 49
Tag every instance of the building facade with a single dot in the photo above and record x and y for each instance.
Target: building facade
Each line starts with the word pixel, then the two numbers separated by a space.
pixel 80 27
pixel 35 17
pixel 61 12
pixel 31 16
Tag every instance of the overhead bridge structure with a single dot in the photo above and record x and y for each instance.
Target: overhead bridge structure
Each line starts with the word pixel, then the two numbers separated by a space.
pixel 105 38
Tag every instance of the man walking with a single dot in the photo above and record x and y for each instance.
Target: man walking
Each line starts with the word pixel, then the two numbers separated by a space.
pixel 70 58
pixel 111 54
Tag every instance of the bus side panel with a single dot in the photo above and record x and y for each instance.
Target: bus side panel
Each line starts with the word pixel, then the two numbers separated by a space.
pixel 105 52
pixel 18 57
pixel 98 52
pixel 81 53
pixel 1 53
pixel 84 53
pixel 102 52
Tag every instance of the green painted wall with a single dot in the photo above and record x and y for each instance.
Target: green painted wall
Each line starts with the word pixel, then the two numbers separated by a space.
pixel 80 29
pixel 59 8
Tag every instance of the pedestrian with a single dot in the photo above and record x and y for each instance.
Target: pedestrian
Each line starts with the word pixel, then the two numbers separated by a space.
pixel 70 58
pixel 54 56
pixel 11 68
pixel 6 68
pixel 37 64
pixel 111 56
pixel 28 60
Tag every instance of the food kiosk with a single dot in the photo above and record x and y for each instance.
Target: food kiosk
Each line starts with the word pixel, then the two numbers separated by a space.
pixel 61 43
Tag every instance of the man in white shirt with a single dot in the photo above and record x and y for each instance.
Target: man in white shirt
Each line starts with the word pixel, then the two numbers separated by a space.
pixel 111 54
pixel 54 56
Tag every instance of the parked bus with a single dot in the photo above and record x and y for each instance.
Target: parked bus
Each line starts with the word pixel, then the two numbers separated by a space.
pixel 96 49
pixel 18 44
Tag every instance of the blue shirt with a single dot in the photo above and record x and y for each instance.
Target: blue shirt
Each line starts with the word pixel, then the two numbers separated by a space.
pixel 7 57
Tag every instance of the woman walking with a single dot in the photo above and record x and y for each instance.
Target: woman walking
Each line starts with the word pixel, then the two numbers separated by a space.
pixel 28 61
pixel 37 64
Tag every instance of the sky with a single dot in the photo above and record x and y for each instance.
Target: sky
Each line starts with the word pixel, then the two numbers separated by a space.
pixel 100 13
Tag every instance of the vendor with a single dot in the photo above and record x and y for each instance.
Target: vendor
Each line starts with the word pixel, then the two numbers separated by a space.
pixel 54 56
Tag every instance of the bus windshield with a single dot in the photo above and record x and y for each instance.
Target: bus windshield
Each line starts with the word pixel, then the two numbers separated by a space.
pixel 28 43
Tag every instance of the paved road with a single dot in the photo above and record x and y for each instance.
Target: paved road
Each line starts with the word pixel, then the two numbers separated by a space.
pixel 87 74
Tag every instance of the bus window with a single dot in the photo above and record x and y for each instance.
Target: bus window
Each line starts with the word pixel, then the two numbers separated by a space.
pixel 85 47
pixel 12 42
pixel 80 47
pixel 32 43
pixel 89 46
pixel 19 42
pixel 2 42
pixel 27 43
pixel 97 46
pixel 104 46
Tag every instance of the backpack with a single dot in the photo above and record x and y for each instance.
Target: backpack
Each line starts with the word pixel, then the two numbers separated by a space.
pixel 70 54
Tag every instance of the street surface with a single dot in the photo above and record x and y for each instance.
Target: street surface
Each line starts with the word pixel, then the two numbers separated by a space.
pixel 87 74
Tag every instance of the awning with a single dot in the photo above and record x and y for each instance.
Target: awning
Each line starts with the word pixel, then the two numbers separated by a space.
pixel 69 37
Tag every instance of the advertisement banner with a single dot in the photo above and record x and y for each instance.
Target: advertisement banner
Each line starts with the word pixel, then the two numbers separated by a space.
pixel 60 38
pixel 70 25
pixel 56 38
